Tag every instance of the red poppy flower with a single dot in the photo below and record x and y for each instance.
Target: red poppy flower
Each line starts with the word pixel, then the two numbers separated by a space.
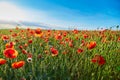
pixel 64 34
pixel 32 32
pixel 54 51
pixel 28 29
pixel 21 47
pixel 70 44
pixel 38 32
pixel 10 53
pixel 62 42
pixel 91 45
pixel 85 36
pixel 67 39
pixel 29 55
pixel 75 31
pixel 48 30
pixel 58 37
pixel 17 65
pixel 16 40
pixel 46 39
pixel 30 41
pixel 10 45
pixel 11 30
pixel 83 43
pixel 98 59
pixel 22 31
pixel 79 50
pixel 48 33
pixel 14 35
pixel 24 51
pixel 118 39
pixel 2 61
pixel 5 37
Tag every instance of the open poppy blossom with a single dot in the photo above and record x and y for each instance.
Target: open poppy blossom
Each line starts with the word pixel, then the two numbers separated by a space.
pixel 98 59
pixel 5 38
pixel 91 45
pixel 2 61
pixel 10 53
pixel 38 32
pixel 17 65
pixel 54 51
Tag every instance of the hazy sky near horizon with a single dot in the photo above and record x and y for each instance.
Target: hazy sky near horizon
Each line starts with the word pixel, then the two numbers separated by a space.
pixel 83 14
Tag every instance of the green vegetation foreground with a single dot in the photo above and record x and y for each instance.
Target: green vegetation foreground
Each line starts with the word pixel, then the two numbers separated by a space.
pixel 59 55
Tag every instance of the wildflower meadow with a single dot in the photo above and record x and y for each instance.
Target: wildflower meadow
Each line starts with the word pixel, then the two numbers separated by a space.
pixel 36 54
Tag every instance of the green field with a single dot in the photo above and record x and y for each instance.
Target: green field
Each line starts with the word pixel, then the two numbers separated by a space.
pixel 60 55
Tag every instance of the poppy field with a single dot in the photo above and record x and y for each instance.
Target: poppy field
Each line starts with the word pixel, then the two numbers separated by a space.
pixel 36 54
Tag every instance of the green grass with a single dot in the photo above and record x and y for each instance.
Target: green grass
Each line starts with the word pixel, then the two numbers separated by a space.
pixel 69 66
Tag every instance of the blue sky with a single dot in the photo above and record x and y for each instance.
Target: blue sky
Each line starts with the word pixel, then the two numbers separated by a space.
pixel 81 14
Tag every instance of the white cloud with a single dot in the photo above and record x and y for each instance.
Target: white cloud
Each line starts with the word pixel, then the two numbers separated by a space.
pixel 11 12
